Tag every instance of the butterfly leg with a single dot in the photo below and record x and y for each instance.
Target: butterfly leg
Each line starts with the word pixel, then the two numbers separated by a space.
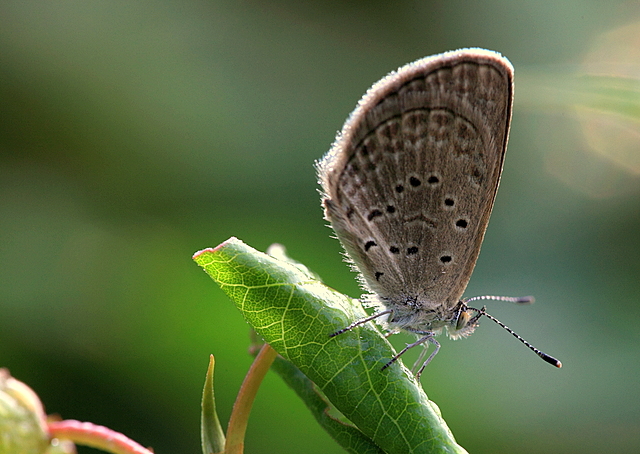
pixel 431 356
pixel 360 322
pixel 428 337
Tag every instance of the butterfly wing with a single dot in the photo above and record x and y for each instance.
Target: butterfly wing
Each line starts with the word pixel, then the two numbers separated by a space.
pixel 410 181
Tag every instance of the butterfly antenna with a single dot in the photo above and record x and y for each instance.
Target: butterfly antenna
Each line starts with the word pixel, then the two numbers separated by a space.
pixel 508 299
pixel 548 358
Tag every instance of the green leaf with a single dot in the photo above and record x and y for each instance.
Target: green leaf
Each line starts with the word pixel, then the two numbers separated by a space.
pixel 295 314
pixel 211 433
pixel 342 430
pixel 331 420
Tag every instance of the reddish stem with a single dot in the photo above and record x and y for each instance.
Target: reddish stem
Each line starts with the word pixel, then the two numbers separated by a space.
pixel 88 434
pixel 247 394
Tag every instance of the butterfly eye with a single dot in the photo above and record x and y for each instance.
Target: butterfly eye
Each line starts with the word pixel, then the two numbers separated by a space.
pixel 463 320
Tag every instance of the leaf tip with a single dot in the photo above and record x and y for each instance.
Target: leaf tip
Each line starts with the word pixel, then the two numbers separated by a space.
pixel 212 250
pixel 202 251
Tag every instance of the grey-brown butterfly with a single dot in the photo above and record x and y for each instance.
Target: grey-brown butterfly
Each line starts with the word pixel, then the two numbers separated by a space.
pixel 409 186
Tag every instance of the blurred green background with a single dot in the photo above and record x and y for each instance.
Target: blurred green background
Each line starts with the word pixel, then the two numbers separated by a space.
pixel 133 134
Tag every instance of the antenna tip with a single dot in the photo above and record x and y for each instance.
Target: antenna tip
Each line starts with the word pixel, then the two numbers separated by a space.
pixel 526 300
pixel 550 359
